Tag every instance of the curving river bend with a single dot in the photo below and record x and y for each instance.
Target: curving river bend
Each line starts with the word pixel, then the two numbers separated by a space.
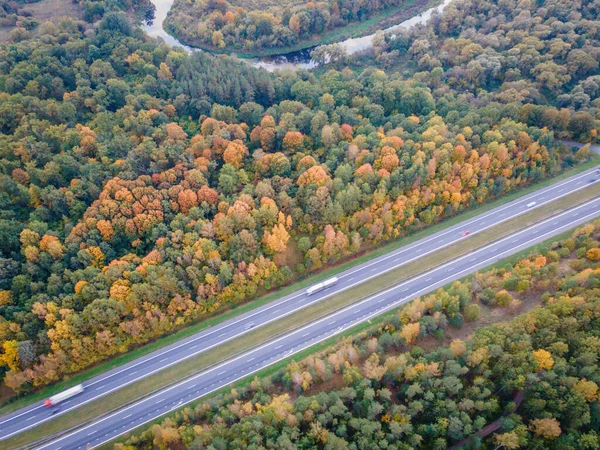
pixel 355 45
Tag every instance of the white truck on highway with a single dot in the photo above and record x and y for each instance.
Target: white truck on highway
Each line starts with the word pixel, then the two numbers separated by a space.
pixel 322 285
pixel 64 395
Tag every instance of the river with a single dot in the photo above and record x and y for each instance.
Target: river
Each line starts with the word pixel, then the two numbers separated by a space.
pixel 296 60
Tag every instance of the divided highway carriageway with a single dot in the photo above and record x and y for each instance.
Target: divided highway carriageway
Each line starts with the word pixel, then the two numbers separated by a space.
pixel 143 411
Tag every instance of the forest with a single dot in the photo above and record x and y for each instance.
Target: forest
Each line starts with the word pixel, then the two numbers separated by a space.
pixel 143 189
pixel 531 382
pixel 252 26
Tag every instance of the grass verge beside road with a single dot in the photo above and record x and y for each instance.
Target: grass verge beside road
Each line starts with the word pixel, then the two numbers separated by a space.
pixel 319 347
pixel 268 332
pixel 252 304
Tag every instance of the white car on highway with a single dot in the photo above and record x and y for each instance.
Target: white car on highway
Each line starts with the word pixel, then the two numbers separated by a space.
pixel 322 285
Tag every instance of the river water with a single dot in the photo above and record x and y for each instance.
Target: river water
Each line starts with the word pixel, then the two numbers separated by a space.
pixel 296 60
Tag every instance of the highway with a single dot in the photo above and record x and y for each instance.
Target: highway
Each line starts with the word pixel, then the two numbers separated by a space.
pixel 169 399
pixel 119 377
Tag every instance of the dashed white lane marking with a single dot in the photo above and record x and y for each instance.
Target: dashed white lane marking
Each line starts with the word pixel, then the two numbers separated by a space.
pixel 546 233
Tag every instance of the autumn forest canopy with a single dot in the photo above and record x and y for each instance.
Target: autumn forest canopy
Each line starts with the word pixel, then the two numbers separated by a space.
pixel 143 189
pixel 529 383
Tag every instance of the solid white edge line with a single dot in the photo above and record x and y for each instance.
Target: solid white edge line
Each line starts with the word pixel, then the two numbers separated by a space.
pixel 210 331
pixel 444 281
pixel 377 313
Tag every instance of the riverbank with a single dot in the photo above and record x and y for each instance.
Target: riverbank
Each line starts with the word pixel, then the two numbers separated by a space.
pixel 386 19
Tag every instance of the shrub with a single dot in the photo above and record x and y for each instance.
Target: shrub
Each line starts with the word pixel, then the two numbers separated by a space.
pixel 570 244
pixel 510 284
pixel 523 285
pixel 564 252
pixel 456 320
pixel 488 297
pixel 552 256
pixel 472 312
pixel 18 35
pixel 593 254
pixel 503 298
pixel 514 305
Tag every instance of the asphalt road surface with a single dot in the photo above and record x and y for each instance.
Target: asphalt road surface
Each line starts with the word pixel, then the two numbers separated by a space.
pixel 169 399
pixel 129 373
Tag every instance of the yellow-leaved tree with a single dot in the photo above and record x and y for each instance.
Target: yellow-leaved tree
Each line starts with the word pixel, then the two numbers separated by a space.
pixel 544 359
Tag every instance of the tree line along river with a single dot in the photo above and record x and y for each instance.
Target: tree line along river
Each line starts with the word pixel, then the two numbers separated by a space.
pixel 295 60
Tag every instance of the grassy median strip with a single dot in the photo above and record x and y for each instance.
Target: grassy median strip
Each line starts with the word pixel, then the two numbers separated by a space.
pixel 296 320
pixel 236 310
pixel 385 316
